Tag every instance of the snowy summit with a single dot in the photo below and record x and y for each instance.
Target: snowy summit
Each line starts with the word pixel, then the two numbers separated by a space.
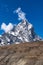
pixel 23 32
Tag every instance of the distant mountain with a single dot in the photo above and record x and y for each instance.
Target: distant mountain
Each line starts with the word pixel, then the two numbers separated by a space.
pixel 23 32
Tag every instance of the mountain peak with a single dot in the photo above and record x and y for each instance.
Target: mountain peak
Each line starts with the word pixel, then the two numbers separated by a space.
pixel 23 32
pixel 25 24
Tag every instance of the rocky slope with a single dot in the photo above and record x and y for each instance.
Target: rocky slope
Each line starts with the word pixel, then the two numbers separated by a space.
pixel 22 54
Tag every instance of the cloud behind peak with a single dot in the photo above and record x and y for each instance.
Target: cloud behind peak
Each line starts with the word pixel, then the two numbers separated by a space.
pixel 6 28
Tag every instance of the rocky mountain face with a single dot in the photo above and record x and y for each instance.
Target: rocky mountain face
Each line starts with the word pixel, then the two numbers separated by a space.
pixel 22 54
pixel 23 32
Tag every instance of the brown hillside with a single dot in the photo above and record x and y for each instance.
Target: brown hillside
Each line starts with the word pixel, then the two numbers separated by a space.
pixel 22 54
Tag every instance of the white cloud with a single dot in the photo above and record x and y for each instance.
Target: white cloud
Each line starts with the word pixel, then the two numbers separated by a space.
pixel 7 28
pixel 21 15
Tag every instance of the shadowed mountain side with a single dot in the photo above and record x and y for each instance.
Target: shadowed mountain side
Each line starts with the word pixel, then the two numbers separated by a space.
pixel 22 54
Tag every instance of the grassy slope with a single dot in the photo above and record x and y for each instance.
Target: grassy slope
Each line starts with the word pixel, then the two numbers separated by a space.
pixel 22 54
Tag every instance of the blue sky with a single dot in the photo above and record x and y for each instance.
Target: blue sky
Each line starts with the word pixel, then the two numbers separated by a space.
pixel 32 8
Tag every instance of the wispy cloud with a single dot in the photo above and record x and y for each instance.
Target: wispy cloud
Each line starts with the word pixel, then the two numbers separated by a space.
pixel 21 14
pixel 6 28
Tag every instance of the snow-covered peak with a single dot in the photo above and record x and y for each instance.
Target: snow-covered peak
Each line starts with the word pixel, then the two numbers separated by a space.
pixel 23 32
pixel 24 25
